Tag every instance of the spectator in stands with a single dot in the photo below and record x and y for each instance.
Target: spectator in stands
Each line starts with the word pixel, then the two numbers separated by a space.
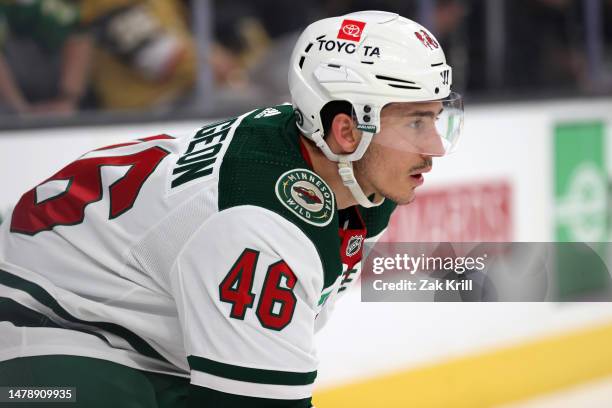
pixel 145 55
pixel 252 42
pixel 45 57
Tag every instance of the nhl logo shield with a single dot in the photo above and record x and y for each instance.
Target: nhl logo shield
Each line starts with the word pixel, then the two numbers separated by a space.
pixel 354 245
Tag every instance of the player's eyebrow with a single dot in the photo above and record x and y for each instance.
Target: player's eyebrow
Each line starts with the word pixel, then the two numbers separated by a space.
pixel 430 114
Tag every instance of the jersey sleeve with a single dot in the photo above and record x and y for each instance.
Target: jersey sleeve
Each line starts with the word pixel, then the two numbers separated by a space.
pixel 246 286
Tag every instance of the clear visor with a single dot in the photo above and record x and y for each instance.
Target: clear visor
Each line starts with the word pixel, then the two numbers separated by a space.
pixel 430 128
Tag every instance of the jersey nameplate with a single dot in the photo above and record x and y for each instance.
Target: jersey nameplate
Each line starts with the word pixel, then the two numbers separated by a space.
pixel 202 153
pixel 306 195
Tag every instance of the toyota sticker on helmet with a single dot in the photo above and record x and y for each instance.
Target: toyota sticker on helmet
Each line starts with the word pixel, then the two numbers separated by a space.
pixel 351 30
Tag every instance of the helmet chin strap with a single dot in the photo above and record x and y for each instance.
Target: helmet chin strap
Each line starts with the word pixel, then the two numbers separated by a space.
pixel 345 166
pixel 345 169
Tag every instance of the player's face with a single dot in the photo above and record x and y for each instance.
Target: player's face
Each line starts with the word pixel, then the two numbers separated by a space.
pixel 395 162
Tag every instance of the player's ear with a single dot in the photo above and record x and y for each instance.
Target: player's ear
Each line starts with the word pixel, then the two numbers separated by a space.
pixel 344 134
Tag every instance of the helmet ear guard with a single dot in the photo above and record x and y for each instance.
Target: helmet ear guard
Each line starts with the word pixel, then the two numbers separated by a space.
pixel 369 59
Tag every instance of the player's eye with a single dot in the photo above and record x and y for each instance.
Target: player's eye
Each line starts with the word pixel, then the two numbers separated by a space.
pixel 416 124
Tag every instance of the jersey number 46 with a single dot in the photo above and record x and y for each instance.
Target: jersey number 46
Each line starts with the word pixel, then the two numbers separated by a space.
pixel 276 300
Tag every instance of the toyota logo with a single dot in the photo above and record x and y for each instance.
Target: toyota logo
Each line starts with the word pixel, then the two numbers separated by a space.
pixel 351 30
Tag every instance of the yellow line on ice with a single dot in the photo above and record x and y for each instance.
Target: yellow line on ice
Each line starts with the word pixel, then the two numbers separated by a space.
pixel 491 378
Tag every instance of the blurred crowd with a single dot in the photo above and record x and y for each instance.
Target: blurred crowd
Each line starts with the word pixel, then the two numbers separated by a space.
pixel 59 57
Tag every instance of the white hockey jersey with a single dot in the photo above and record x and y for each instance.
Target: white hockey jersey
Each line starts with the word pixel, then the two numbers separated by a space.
pixel 214 256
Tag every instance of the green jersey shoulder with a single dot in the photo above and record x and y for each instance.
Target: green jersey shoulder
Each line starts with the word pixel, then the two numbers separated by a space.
pixel 263 167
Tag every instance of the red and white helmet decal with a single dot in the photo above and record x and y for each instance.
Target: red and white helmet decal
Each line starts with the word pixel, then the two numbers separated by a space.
pixel 351 30
pixel 426 39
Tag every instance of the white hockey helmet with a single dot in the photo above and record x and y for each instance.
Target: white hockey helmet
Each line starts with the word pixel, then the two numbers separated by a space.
pixel 370 59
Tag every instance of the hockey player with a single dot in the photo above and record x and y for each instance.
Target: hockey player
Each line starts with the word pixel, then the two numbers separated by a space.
pixel 194 271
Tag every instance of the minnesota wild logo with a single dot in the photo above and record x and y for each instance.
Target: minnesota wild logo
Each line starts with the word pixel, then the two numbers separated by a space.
pixel 306 195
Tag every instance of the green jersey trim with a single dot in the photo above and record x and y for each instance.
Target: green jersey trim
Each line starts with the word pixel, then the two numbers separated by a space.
pixel 21 316
pixel 45 298
pixel 253 375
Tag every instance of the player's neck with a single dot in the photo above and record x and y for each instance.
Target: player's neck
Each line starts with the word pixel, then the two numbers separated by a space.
pixel 328 170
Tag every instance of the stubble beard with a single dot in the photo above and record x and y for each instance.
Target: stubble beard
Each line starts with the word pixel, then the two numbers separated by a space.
pixel 366 169
pixel 372 162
